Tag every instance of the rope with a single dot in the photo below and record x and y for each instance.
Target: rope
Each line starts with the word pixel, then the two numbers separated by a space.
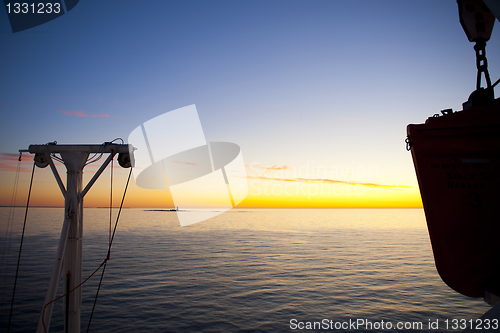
pixel 21 247
pixel 109 252
pixel 496 82
pixel 58 298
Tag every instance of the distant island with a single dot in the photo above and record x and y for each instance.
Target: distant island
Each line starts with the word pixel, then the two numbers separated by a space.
pixel 176 209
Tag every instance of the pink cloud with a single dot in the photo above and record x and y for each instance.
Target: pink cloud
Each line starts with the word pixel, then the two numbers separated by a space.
pixel 84 114
pixel 9 157
pixel 186 163
pixel 274 167
pixel 10 167
pixel 11 161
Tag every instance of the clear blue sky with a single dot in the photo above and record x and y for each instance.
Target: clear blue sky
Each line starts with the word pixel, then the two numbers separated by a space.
pixel 292 82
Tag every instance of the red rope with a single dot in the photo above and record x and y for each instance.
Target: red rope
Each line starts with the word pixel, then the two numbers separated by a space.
pixel 78 286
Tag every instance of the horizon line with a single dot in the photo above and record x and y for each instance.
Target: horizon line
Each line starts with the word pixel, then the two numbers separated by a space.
pixel 219 207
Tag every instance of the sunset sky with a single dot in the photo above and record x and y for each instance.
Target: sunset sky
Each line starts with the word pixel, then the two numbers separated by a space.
pixel 316 93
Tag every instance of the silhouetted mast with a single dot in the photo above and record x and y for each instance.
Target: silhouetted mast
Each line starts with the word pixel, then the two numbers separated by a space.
pixel 69 257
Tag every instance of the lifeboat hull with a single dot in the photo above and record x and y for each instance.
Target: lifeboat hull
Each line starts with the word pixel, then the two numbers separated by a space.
pixel 457 162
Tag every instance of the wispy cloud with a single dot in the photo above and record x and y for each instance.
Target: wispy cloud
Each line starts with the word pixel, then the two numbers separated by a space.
pixel 9 162
pixel 268 168
pixel 10 167
pixel 9 157
pixel 84 114
pixel 186 163
pixel 274 167
pixel 326 181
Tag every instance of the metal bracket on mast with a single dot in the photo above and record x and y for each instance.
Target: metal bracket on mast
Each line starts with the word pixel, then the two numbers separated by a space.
pixel 56 175
pixel 97 174
pixel 69 250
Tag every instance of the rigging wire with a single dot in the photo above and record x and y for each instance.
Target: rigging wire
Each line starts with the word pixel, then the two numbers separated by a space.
pixel 94 158
pixel 10 221
pixel 57 158
pixel 123 142
pixel 10 217
pixel 21 247
pixel 109 251
pixel 496 82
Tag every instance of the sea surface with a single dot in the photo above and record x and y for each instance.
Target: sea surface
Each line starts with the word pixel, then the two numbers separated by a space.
pixel 248 270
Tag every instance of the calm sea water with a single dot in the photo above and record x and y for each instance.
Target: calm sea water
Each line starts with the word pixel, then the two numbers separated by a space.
pixel 242 271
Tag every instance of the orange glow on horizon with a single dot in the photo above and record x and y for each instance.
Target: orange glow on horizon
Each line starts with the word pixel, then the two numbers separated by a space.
pixel 261 194
pixel 369 198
